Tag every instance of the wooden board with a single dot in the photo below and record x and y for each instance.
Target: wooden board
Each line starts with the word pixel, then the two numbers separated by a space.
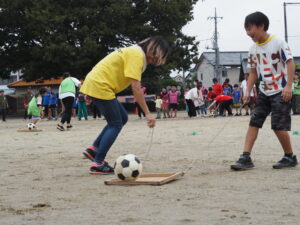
pixel 148 179
pixel 26 130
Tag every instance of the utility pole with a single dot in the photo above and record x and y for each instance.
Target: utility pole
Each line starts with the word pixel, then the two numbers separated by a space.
pixel 216 47
pixel 285 21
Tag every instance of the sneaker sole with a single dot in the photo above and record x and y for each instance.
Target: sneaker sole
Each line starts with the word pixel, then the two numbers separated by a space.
pixel 88 156
pixel 99 173
pixel 60 129
pixel 277 168
pixel 241 168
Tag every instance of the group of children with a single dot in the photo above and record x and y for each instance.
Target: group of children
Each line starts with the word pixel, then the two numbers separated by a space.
pixel 270 61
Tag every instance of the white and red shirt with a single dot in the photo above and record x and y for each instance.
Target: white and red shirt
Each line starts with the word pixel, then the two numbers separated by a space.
pixel 269 59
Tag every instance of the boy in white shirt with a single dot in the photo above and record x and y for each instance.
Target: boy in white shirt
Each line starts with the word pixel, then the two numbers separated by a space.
pixel 270 60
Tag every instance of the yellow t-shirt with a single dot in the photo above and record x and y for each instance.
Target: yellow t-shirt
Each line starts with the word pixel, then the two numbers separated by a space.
pixel 113 73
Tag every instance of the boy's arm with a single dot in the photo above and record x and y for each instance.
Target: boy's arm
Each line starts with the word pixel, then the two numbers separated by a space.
pixel 211 105
pixel 287 90
pixel 140 99
pixel 251 81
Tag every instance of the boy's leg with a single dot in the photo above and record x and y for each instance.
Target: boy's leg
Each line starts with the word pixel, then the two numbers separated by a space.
pixel 281 124
pixel 261 111
pixel 285 141
pixel 250 138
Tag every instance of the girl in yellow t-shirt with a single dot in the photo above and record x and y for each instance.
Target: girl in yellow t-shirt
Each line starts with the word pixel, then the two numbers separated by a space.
pixel 110 76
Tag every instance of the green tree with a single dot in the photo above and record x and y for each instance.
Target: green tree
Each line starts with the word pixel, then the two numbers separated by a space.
pixel 44 38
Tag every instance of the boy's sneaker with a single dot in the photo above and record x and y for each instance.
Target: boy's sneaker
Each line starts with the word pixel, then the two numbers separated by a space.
pixel 60 127
pixel 103 168
pixel 286 162
pixel 69 126
pixel 89 153
pixel 244 163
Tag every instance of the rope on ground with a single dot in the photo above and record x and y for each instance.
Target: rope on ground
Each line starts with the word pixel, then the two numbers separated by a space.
pixel 209 143
pixel 150 133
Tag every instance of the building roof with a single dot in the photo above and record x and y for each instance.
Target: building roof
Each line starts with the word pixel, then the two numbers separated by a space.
pixel 40 82
pixel 226 58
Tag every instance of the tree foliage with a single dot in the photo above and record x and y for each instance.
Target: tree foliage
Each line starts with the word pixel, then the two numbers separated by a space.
pixel 44 38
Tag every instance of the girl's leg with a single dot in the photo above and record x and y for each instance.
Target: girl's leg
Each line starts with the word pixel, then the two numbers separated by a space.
pixel 116 117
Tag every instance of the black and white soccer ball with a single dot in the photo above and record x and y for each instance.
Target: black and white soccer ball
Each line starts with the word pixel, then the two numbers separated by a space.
pixel 31 126
pixel 128 167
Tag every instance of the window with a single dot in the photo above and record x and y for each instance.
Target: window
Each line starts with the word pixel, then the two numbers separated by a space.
pixel 201 76
pixel 224 73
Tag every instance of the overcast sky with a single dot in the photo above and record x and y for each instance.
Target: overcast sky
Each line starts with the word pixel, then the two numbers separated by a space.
pixel 232 36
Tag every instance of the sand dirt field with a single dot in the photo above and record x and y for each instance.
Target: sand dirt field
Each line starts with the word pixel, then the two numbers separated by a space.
pixel 45 179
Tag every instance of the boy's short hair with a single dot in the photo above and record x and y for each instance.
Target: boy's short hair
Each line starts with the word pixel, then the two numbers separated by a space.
pixel 210 88
pixel 213 96
pixel 235 85
pixel 257 19
pixel 215 80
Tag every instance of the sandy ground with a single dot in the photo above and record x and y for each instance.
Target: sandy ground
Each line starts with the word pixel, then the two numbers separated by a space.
pixel 45 180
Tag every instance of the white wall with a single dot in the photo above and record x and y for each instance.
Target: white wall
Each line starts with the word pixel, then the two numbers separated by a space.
pixel 207 71
pixel 233 74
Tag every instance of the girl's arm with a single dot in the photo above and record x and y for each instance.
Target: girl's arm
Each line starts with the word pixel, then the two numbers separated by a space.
pixel 140 99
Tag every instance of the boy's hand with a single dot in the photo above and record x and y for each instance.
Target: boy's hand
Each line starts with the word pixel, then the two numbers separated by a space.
pixel 287 93
pixel 246 98
pixel 151 121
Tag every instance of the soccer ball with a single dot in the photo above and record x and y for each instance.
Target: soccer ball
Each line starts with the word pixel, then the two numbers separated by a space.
pixel 31 126
pixel 128 167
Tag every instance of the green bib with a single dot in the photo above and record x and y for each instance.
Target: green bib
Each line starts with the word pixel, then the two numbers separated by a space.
pixel 33 109
pixel 67 86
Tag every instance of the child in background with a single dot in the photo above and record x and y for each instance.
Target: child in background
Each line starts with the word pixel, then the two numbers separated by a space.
pixel 209 98
pixel 3 105
pixel 236 100
pixel 224 101
pixel 202 96
pixel 165 102
pixel 227 87
pixel 53 104
pixel 82 110
pixel 173 101
pixel 74 108
pixel 33 108
pixel 158 103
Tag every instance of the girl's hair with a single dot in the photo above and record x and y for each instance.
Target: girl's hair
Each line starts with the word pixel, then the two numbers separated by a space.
pixel 156 46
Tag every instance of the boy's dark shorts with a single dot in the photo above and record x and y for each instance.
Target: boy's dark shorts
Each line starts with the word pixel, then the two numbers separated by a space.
pixel 281 112
pixel 173 106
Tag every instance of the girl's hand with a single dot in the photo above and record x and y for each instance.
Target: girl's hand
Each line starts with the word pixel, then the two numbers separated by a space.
pixel 150 120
